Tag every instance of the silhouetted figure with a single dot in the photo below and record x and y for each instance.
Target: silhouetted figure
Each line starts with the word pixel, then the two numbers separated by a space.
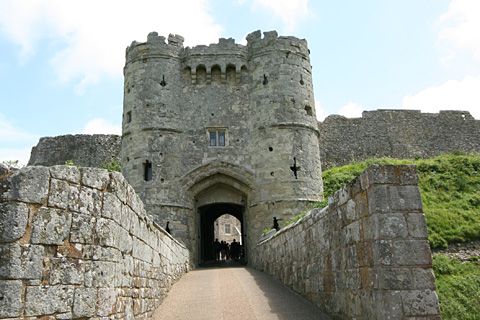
pixel 167 228
pixel 217 247
pixel 275 223
pixel 223 250
pixel 234 250
pixel 295 168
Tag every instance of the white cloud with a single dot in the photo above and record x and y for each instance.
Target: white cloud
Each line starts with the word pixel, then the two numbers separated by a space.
pixel 451 95
pixel 289 11
pixel 94 34
pixel 10 134
pixel 460 27
pixel 15 144
pixel 351 110
pixel 101 126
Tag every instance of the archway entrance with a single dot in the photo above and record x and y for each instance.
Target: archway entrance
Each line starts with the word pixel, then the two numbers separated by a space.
pixel 208 214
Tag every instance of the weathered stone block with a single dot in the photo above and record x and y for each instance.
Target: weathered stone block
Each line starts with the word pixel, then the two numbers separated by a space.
pixel 352 232
pixel 383 253
pixel 30 184
pixel 63 195
pixel 392 225
pixel 420 303
pixel 388 304
pixel 51 226
pixel 21 262
pixel 82 229
pixel 405 198
pixel 95 252
pixel 95 178
pixel 112 206
pixel 412 252
pixel 67 173
pixel 394 279
pixel 103 273
pixel 11 292
pixel 378 196
pixel 117 186
pixel 48 300
pixel 85 301
pixel 106 301
pixel 13 220
pixel 417 226
pixel 423 278
pixel 89 201
pixel 392 174
pixel 66 271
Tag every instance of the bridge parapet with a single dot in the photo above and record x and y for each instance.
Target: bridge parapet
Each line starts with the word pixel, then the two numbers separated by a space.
pixel 77 243
pixel 365 255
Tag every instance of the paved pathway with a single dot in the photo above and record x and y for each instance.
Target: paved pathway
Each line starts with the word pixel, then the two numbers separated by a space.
pixel 233 293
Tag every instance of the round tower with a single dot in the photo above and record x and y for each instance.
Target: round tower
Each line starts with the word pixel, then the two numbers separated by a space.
pixel 152 134
pixel 285 149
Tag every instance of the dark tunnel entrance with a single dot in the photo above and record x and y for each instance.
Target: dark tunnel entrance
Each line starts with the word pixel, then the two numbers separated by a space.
pixel 208 215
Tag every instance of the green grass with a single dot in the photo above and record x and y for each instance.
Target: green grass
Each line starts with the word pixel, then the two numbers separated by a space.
pixel 458 288
pixel 450 188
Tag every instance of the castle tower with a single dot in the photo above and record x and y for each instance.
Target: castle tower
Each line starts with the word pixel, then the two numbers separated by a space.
pixel 153 136
pixel 285 151
pixel 220 129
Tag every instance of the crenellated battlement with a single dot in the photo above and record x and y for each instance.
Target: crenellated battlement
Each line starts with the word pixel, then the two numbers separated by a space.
pixel 155 46
pixel 272 42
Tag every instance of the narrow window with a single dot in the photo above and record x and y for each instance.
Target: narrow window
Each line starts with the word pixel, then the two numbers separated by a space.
pixel 213 138
pixel 308 110
pixel 129 116
pixel 147 170
pixel 221 138
pixel 227 228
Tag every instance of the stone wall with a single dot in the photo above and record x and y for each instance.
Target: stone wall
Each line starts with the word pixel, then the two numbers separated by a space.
pixel 76 243
pixel 396 134
pixel 85 150
pixel 365 256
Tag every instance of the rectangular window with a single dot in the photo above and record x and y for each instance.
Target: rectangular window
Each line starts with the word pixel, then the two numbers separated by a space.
pixel 217 137
pixel 227 228
pixel 221 138
pixel 129 116
pixel 213 138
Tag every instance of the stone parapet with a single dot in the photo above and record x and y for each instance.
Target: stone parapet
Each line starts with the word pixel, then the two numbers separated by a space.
pixel 365 255
pixel 76 243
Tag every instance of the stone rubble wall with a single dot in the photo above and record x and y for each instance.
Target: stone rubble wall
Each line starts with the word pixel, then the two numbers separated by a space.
pixel 83 149
pixel 364 256
pixel 396 134
pixel 76 243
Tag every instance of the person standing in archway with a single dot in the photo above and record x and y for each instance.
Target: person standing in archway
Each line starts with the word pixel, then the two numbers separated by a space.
pixel 216 246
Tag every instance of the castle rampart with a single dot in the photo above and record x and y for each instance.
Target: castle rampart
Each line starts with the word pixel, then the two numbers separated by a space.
pixel 83 149
pixel 396 134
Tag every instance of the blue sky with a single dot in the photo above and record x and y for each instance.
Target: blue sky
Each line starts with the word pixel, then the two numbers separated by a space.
pixel 61 61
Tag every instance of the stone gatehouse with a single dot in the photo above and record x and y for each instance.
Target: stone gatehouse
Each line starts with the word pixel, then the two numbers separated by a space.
pixel 224 128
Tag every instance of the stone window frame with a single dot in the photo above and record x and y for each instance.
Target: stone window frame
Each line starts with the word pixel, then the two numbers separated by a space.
pixel 217 132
